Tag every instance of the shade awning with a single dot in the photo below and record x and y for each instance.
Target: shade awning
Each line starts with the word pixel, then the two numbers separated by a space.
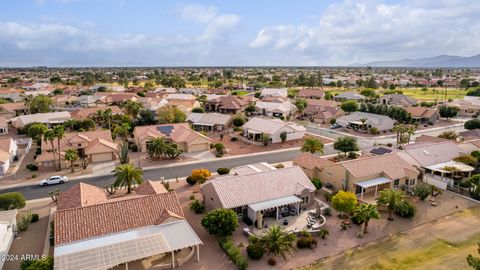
pixel 274 203
pixel 373 182
pixel 450 166
pixel 203 124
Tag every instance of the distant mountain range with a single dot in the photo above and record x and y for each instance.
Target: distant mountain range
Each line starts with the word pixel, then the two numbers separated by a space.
pixel 431 62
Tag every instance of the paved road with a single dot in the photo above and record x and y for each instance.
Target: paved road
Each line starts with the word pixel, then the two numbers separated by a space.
pixel 36 192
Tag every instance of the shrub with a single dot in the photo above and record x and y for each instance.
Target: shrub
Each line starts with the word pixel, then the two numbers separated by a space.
pixel 38 264
pixel 32 167
pixel 327 211
pixel 279 166
pixel 306 240
pixel 197 206
pixel 201 175
pixel 38 151
pixel 220 222
pixel 233 252
pixel 272 261
pixel 374 131
pixel 134 148
pixel 355 220
pixel 317 183
pixel 422 191
pixel 222 171
pixel 12 200
pixel 34 217
pixel 25 220
pixel 191 181
pixel 219 154
pixel 406 209
pixel 255 251
pixel 353 155
pixel 34 175
pixel 238 121
pixel 333 121
pixel 233 139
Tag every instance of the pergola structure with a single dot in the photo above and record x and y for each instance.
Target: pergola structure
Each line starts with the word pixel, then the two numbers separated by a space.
pixel 375 182
pixel 255 210
pixel 450 169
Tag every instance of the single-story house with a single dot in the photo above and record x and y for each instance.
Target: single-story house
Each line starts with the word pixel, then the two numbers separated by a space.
pixel 181 134
pixel 48 119
pixel 274 92
pixel 467 106
pixel 85 113
pixel 354 120
pixel 227 104
pixel 96 146
pixel 185 105
pixel 322 111
pixel 10 110
pixel 3 126
pixel 397 99
pixel 311 93
pixel 8 151
pixel 93 231
pixel 8 227
pixel 256 127
pixel 266 194
pixel 89 101
pixel 349 96
pixel 275 109
pixel 311 164
pixel 469 135
pixel 423 114
pixel 209 121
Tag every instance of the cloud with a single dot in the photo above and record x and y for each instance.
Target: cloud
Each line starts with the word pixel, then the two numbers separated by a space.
pixel 366 30
pixel 197 13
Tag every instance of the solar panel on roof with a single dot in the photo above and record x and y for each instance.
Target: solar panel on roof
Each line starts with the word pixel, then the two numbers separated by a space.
pixel 167 130
pixel 380 151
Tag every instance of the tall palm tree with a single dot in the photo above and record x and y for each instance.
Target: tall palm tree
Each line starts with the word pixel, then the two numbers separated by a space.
pixel 132 108
pixel 410 131
pixel 49 136
pixel 365 212
pixel 277 241
pixel 72 156
pixel 392 199
pixel 59 133
pixel 312 145
pixel 99 117
pixel 107 118
pixel 127 175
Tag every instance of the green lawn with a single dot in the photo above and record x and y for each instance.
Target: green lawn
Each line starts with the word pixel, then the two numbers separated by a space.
pixel 416 93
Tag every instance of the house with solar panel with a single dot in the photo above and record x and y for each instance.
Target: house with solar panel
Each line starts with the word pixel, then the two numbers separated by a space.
pixel 95 232
pixel 181 134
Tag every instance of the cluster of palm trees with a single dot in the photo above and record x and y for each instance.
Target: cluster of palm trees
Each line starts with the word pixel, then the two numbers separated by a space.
pixel 404 133
pixel 393 199
pixel 57 133
pixel 161 148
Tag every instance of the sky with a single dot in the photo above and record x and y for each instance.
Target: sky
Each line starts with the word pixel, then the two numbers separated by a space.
pixel 233 32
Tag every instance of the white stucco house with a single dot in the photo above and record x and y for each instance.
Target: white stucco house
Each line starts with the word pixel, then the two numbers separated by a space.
pixel 256 127
pixel 8 226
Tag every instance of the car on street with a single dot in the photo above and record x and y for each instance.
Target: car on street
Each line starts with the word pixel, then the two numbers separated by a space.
pixel 53 180
pixel 334 126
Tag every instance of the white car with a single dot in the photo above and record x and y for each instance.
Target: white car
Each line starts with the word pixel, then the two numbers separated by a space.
pixel 52 180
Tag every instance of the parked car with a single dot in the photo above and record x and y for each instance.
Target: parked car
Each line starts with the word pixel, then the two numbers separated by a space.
pixel 52 180
pixel 334 126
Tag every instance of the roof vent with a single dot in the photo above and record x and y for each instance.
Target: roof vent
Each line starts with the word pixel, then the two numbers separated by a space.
pixel 426 152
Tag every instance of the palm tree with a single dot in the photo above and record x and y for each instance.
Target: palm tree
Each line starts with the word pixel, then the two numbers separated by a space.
pixel 392 199
pixel 28 102
pixel 99 117
pixel 363 121
pixel 59 132
pixel 156 147
pixel 277 241
pixel 132 108
pixel 127 175
pixel 365 212
pixel 107 118
pixel 72 156
pixel 49 136
pixel 312 145
pixel 69 123
pixel 410 131
pixel 122 130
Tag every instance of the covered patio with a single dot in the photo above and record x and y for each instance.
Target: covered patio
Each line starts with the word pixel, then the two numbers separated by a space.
pixel 453 170
pixel 203 127
pixel 274 209
pixel 371 187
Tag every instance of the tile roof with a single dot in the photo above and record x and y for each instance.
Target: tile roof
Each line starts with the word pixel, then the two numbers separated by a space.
pixel 428 138
pixel 88 112
pixel 80 195
pixel 259 187
pixel 71 138
pixel 209 118
pixel 99 145
pixel 270 126
pixel 150 187
pixel 311 93
pixel 390 164
pixel 310 161
pixel 181 132
pixel 230 102
pixel 111 216
pixel 13 106
pixel 50 117
pixel 426 154
pixel 418 112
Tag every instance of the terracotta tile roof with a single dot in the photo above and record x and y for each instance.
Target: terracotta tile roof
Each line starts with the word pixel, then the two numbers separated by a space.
pixel 5 144
pixel 418 112
pixel 13 106
pixel 311 161
pixel 72 138
pixel 99 145
pixel 230 102
pixel 322 103
pixel 470 134
pixel 427 138
pixel 115 216
pixel 180 132
pixel 88 112
pixel 311 93
pixel 80 195
pixel 150 187
pixel 390 164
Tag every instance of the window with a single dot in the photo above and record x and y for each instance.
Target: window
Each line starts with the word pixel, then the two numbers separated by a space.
pixel 305 199
pixel 412 182
pixel 396 183
pixel 238 210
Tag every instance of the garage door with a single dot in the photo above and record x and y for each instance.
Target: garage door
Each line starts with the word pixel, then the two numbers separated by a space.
pixel 102 157
pixel 198 147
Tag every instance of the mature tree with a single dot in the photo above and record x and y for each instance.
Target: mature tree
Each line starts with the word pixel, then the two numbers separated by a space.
pixel 159 147
pixel 169 114
pixel 71 155
pixel 59 133
pixel 283 136
pixel 145 118
pixel 198 110
pixel 392 199
pixel 238 120
pixel 127 175
pixel 220 222
pixel 250 109
pixel 472 124
pixel 122 130
pixel 201 175
pixel 202 99
pixel 349 106
pixel 88 124
pixel 312 145
pixel 70 124
pixel 301 104
pixel 277 241
pixel 107 118
pixel 474 262
pixel 40 104
pixel 448 111
pixel 49 136
pixel 363 213
pixel 346 144
pixel 449 135
pixel 344 202
pixel 36 130
pixel 132 108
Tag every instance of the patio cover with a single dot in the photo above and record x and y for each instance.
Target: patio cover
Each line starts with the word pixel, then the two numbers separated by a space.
pixel 460 166
pixel 373 182
pixel 203 124
pixel 105 252
pixel 274 203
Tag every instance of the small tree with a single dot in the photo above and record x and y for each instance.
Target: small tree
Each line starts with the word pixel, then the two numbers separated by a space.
pixel 265 139
pixel 312 145
pixel 278 241
pixel 301 104
pixel 392 199
pixel 472 124
pixel 200 175
pixel 363 213
pixel 127 175
pixel 317 183
pixel 344 202
pixel 36 130
pixel 448 111
pixel 220 222
pixel 71 155
pixel 238 121
pixel 346 144
pixel 349 106
pixel 283 136
pixel 12 200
